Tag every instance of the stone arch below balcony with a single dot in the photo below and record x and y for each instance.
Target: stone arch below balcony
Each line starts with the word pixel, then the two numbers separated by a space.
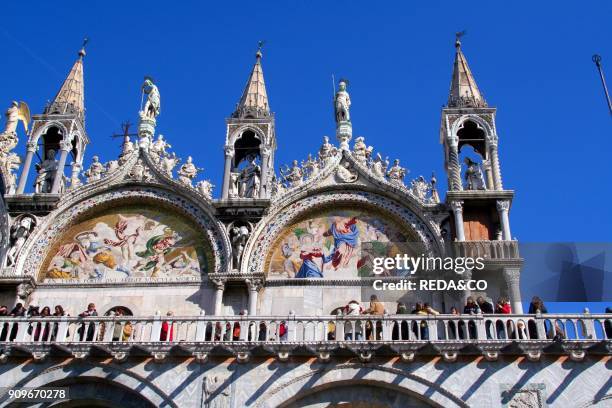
pixel 98 385
pixel 351 386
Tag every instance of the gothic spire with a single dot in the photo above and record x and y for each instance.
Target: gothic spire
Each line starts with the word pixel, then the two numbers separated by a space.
pixel 71 97
pixel 254 100
pixel 463 90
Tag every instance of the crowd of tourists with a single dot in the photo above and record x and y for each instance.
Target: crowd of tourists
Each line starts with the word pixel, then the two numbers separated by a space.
pixel 358 329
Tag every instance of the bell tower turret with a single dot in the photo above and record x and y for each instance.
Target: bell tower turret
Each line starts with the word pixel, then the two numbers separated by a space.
pixel 250 142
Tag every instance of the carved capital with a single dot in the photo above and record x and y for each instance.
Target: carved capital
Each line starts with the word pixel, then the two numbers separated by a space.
pixel 65 145
pixel 450 357
pixel 453 141
pixel 512 276
pixel 219 283
pixel 534 355
pixel 503 205
pixel 283 356
pixel 254 284
pixel 229 151
pixel 324 356
pixel 31 146
pixel 201 357
pixel 243 357
pixel 159 357
pixel 457 206
pixel 39 356
pixel 80 355
pixel 120 356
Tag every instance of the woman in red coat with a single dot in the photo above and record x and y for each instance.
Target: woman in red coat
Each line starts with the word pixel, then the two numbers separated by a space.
pixel 167 329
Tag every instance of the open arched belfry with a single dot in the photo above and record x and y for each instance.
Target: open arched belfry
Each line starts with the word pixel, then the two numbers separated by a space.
pixel 243 300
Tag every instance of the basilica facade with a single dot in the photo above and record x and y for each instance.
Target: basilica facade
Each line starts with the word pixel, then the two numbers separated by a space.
pixel 241 300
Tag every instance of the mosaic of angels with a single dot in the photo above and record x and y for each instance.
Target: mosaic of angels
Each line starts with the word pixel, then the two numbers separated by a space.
pixel 127 243
pixel 333 245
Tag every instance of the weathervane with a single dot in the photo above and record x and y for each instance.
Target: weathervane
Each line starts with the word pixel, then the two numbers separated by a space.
pixel 458 36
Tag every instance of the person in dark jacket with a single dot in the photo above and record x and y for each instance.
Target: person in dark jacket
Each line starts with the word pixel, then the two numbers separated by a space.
pixel 536 307
pixel 18 311
pixel 471 308
pixel 486 308
pixel 90 312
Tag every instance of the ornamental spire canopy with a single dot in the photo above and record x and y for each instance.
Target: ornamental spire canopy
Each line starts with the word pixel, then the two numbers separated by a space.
pixel 71 97
pixel 254 100
pixel 463 91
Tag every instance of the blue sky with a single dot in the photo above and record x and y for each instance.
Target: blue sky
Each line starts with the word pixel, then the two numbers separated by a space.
pixel 532 60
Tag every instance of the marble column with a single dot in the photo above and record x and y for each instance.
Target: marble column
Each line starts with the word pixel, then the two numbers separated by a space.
pixel 486 165
pixel 253 285
pixel 229 156
pixel 457 207
pixel 503 206
pixel 31 149
pixel 454 167
pixel 495 169
pixel 59 174
pixel 264 182
pixel 219 289
pixel 512 277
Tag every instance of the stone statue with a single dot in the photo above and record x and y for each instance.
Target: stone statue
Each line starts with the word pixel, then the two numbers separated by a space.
pixel 239 237
pixel 95 171
pixel 9 164
pixel 152 105
pixel 342 103
pixel 187 172
pixel 169 162
pixel 159 146
pixel 360 150
pixel 379 168
pixel 420 188
pixel 396 173
pixel 214 396
pixel 111 166
pixel 20 232
pixel 205 187
pixel 326 152
pixel 15 113
pixel 233 187
pixel 249 179
pixel 473 175
pixel 293 175
pixel 311 166
pixel 46 173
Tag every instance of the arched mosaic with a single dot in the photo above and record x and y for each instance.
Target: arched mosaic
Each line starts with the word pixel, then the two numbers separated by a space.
pixel 337 242
pixel 265 250
pixel 128 242
pixel 169 226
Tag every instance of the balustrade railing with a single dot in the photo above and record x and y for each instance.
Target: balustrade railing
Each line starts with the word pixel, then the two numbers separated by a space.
pixel 320 329
pixel 494 250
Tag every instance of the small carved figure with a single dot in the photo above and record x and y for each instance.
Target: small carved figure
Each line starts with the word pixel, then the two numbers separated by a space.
pixel 473 175
pixel 311 166
pixel 46 173
pixel 294 175
pixel 169 162
pixel 20 232
pixel 214 396
pixel 95 171
pixel 205 187
pixel 379 168
pixel 9 164
pixel 152 105
pixel 326 152
pixel 159 146
pixel 239 237
pixel 420 188
pixel 187 172
pixel 111 166
pixel 396 173
pixel 342 103
pixel 360 150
